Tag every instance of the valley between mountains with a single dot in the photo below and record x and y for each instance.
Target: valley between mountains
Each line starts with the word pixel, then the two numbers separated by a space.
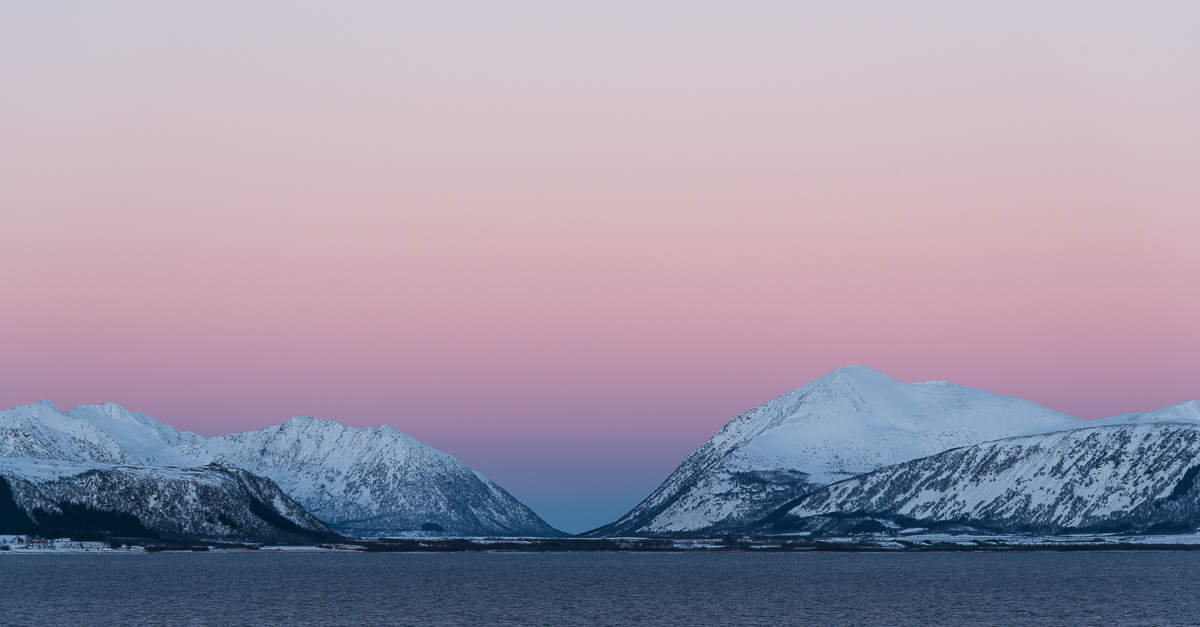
pixel 854 452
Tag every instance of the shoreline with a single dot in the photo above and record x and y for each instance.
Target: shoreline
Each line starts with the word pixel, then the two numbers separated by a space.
pixel 864 544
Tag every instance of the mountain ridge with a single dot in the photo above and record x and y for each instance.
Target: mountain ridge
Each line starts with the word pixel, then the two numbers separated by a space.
pixel 209 503
pixel 850 421
pixel 1124 477
pixel 364 482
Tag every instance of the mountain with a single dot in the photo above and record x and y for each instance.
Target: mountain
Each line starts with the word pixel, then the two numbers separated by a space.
pixel 1183 412
pixel 362 482
pixel 1135 475
pixel 371 482
pixel 850 421
pixel 212 503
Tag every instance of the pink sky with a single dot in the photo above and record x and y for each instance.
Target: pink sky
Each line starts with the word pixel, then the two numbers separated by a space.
pixel 567 244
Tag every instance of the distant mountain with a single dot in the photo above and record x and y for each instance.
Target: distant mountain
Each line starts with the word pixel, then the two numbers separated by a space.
pixel 1138 475
pixel 361 482
pixel 371 482
pixel 851 421
pixel 55 498
pixel 1188 412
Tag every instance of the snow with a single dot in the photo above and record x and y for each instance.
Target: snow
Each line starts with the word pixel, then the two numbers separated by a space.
pixel 856 419
pixel 1188 412
pixel 848 422
pixel 1123 473
pixel 359 481
pixel 51 469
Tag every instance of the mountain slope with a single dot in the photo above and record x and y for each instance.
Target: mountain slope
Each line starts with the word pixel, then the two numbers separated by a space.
pixel 848 422
pixel 210 503
pixel 1187 412
pixel 369 482
pixel 358 481
pixel 1137 476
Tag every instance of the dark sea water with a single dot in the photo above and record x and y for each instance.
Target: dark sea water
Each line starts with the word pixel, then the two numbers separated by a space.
pixel 601 589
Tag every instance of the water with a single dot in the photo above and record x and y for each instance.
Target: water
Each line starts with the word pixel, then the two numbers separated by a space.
pixel 429 590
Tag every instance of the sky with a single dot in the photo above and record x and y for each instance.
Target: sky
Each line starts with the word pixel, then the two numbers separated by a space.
pixel 567 242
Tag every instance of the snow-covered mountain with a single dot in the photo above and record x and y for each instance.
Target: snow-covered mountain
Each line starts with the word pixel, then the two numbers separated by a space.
pixel 369 482
pixel 1188 412
pixel 851 421
pixel 210 503
pixel 1137 475
pixel 363 482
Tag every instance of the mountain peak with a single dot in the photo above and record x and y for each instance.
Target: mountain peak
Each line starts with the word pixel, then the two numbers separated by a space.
pixel 41 405
pixel 365 481
pixel 306 420
pixel 1187 411
pixel 850 421
pixel 859 376
pixel 854 382
pixel 856 374
pixel 115 411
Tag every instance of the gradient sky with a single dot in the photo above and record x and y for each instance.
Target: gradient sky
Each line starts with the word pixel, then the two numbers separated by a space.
pixel 566 242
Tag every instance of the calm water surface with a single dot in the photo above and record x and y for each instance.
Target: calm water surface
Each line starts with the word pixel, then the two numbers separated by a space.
pixel 601 589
